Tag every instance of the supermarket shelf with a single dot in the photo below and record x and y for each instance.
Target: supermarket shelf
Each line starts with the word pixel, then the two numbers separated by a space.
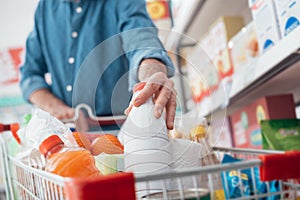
pixel 281 80
pixel 267 76
pixel 283 55
pixel 197 15
pixel 275 72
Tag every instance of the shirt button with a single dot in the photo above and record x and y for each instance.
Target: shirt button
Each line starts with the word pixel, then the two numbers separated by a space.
pixel 78 9
pixel 74 34
pixel 71 60
pixel 69 88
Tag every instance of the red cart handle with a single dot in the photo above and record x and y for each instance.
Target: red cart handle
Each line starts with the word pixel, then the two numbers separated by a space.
pixel 13 128
pixel 280 166
pixel 117 186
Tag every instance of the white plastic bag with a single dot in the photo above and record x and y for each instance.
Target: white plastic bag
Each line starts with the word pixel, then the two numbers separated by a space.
pixel 42 125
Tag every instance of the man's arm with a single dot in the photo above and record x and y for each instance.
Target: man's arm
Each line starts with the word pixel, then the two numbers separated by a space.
pixel 144 50
pixel 33 84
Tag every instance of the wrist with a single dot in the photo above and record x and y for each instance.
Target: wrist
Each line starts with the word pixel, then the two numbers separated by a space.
pixel 150 66
pixel 45 100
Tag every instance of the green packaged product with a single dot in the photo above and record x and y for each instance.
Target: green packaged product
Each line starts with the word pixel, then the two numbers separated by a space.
pixel 281 134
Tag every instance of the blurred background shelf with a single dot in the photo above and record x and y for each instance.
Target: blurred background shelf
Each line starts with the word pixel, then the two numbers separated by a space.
pixel 195 16
pixel 275 72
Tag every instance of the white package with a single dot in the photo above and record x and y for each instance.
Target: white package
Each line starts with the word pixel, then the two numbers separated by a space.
pixel 146 145
pixel 265 20
pixel 288 12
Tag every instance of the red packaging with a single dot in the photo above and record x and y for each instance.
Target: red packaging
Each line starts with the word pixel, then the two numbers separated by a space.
pixel 245 125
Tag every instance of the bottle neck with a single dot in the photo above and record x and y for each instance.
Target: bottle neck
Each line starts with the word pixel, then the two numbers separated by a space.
pixel 54 149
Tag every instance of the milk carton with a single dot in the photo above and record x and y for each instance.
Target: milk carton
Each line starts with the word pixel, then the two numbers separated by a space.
pixel 288 12
pixel 146 144
pixel 265 20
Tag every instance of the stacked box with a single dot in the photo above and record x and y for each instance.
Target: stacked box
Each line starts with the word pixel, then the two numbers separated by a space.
pixel 244 47
pixel 288 12
pixel 265 20
pixel 245 122
pixel 222 31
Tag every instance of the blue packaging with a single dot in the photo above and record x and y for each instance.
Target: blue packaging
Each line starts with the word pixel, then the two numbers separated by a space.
pixel 245 177
pixel 234 180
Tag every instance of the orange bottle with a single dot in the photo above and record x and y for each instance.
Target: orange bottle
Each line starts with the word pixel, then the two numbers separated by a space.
pixel 67 161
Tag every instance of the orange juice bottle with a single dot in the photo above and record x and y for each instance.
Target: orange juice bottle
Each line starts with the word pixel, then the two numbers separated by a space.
pixel 67 161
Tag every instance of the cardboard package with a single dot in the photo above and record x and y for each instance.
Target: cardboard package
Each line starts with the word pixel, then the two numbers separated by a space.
pixel 281 134
pixel 220 134
pixel 265 20
pixel 245 122
pixel 288 12
pixel 222 30
pixel 244 47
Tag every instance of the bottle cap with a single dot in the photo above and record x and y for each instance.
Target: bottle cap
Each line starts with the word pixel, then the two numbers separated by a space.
pixel 139 86
pixel 81 140
pixel 49 143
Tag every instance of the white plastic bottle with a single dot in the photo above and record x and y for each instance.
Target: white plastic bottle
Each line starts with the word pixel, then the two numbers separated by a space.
pixel 146 143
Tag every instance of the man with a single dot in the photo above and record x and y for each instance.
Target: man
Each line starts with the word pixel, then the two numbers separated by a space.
pixel 66 37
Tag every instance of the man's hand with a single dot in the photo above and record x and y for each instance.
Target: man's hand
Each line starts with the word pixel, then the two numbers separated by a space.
pixel 160 87
pixel 45 100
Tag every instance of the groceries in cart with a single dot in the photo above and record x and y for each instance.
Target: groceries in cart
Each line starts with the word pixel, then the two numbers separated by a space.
pixel 186 179
pixel 109 154
pixel 47 144
pixel 146 142
pixel 148 147
pixel 241 183
pixel 67 161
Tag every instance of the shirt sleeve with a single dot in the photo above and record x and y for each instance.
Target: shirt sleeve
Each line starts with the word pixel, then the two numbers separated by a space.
pixel 140 38
pixel 34 67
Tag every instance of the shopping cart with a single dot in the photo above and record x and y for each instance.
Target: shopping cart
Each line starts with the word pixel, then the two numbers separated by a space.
pixel 207 182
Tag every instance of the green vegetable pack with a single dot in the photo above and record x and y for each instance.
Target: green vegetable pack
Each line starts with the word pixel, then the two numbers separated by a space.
pixel 283 134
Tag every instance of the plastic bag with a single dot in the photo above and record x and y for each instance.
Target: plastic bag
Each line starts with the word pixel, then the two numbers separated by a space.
pixel 42 125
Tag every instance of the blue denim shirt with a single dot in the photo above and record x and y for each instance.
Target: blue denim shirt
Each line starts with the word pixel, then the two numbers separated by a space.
pixel 80 45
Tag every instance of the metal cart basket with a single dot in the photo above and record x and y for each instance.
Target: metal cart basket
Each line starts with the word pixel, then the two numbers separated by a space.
pixel 207 182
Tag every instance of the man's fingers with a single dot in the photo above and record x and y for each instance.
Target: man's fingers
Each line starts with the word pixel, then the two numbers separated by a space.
pixel 170 111
pixel 127 110
pixel 163 98
pixel 146 93
pixel 154 83
pixel 63 113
